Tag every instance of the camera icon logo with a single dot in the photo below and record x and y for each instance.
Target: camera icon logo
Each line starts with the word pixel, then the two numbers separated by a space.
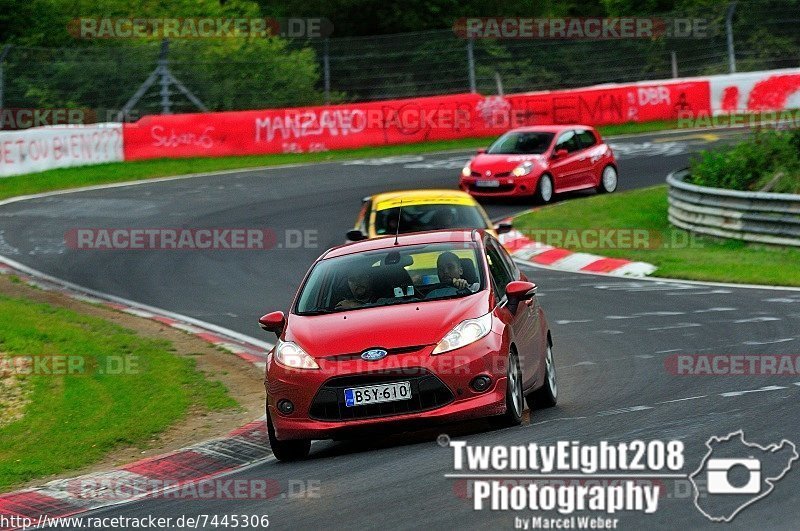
pixel 736 473
pixel 719 471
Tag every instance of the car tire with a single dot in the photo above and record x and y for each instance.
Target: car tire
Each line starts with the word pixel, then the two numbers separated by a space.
pixel 515 402
pixel 293 450
pixel 608 180
pixel 547 395
pixel 544 190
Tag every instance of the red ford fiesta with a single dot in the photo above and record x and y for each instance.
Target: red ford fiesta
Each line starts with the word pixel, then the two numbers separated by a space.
pixel 392 332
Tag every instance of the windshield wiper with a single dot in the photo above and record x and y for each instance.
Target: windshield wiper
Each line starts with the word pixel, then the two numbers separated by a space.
pixel 318 311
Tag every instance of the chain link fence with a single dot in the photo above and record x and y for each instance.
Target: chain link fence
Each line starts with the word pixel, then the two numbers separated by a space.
pixel 103 76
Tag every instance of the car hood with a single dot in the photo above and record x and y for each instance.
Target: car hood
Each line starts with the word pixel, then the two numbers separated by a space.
pixel 502 163
pixel 388 327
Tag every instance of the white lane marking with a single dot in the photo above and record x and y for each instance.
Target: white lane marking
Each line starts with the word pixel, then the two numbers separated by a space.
pixel 637 286
pixel 610 332
pixel 673 327
pixel 797 384
pixel 645 356
pixel 721 309
pixel 782 299
pixel 772 342
pixel 139 313
pixel 555 420
pixel 624 410
pixel 682 399
pixel 644 314
pixel 567 321
pixel 668 350
pixel 187 328
pixel 579 364
pixel 757 320
pixel 87 299
pixel 712 292
pixel 761 390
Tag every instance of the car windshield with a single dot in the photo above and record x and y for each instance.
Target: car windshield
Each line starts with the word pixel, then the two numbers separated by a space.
pixel 527 143
pixel 398 275
pixel 428 217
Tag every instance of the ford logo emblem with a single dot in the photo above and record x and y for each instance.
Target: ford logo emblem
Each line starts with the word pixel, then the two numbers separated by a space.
pixel 488 173
pixel 374 354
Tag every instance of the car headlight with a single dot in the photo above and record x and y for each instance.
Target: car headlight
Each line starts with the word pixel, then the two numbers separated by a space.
pixel 523 169
pixel 465 333
pixel 467 171
pixel 292 356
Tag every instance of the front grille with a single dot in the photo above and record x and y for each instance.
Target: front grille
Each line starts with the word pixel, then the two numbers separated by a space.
pixel 427 392
pixel 491 189
pixel 480 175
pixel 389 352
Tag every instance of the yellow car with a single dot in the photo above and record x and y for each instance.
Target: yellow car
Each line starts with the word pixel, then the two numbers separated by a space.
pixel 420 210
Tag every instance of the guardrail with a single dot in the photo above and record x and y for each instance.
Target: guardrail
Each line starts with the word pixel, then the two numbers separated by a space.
pixel 751 216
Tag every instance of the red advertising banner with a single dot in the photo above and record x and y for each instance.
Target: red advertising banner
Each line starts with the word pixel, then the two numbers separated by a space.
pixel 325 128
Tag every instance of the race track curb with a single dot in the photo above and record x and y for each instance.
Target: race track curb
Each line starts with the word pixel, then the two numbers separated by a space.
pixel 161 474
pixel 523 248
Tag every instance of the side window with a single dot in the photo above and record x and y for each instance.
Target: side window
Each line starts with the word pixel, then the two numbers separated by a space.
pixel 497 268
pixel 510 265
pixel 568 141
pixel 586 138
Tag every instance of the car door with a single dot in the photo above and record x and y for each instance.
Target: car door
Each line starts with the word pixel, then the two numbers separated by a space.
pixel 566 170
pixel 589 162
pixel 521 317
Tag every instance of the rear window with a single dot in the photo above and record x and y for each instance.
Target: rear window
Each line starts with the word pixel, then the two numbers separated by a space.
pixel 428 217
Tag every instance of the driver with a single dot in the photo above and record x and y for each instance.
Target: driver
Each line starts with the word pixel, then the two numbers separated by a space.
pixel 361 288
pixel 449 269
pixel 444 219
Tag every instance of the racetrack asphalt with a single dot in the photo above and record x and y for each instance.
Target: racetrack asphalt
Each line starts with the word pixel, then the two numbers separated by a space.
pixel 612 339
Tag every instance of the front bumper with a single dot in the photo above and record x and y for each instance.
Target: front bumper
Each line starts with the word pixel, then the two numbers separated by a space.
pixel 453 370
pixel 508 186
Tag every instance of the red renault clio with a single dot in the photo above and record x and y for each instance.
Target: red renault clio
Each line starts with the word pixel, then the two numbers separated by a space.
pixel 540 162
pixel 395 332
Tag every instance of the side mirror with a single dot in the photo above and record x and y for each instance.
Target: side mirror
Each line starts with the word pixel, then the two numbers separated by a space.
pixel 481 151
pixel 520 290
pixel 560 153
pixel 273 322
pixel 356 235
pixel 504 227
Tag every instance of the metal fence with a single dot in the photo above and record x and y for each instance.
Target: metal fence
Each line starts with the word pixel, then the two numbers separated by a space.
pixel 104 76
pixel 750 216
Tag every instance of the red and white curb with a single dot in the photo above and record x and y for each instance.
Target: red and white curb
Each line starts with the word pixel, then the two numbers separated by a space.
pixel 523 248
pixel 166 473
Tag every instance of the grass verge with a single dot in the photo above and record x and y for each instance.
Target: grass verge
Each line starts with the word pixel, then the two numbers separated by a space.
pixel 75 387
pixel 65 178
pixel 677 253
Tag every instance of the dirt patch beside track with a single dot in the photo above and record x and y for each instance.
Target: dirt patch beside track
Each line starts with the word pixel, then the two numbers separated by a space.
pixel 243 380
